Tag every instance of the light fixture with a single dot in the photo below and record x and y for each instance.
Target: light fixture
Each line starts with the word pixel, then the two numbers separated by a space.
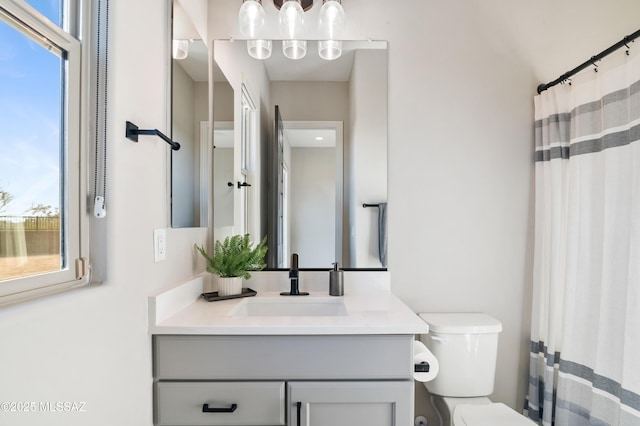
pixel 251 20
pixel 331 24
pixel 180 49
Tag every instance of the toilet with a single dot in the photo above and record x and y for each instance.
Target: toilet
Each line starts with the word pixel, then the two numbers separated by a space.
pixel 466 346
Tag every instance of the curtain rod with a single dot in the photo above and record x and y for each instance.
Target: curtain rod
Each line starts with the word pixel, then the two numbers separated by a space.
pixel 624 42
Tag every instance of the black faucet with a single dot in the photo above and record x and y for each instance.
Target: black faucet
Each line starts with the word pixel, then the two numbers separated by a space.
pixel 293 276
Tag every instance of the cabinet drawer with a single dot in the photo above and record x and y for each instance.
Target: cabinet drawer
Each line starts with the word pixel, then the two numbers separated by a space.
pixel 257 403
pixel 344 357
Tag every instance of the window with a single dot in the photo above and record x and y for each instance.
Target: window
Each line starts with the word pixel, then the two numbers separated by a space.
pixel 41 218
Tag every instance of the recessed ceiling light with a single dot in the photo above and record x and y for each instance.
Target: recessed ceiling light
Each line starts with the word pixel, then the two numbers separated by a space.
pixel 319 138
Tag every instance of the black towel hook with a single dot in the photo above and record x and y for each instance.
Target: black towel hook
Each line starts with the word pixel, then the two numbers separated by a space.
pixel 132 133
pixel 626 42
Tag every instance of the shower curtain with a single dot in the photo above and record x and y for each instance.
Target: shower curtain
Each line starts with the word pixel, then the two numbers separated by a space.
pixel 585 332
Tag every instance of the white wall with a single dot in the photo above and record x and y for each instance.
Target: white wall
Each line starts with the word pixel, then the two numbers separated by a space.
pixel 330 100
pixel 461 78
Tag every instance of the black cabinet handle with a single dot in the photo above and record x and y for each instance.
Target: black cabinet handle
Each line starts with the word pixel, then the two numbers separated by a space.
pixel 206 409
pixel 299 405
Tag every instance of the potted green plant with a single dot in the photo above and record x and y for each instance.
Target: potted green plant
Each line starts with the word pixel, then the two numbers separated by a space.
pixel 232 260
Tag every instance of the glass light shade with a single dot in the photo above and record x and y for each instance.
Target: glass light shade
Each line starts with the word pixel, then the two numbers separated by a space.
pixel 291 19
pixel 259 49
pixel 332 19
pixel 329 49
pixel 251 18
pixel 180 49
pixel 294 49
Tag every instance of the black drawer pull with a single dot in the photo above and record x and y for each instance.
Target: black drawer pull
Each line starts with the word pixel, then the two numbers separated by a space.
pixel 299 406
pixel 206 409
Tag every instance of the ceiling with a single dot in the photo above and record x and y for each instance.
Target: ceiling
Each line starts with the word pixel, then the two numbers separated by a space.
pixel 312 67
pixel 297 138
pixel 309 138
pixel 195 64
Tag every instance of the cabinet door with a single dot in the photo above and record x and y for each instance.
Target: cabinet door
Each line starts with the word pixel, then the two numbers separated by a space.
pixel 350 403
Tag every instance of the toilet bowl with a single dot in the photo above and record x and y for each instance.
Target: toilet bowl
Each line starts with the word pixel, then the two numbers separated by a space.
pixel 466 346
pixel 446 406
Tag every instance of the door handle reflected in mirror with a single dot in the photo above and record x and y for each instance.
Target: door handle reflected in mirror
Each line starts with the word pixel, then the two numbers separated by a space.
pixel 240 184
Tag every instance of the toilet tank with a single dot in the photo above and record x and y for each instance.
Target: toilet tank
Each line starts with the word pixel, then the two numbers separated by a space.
pixel 466 346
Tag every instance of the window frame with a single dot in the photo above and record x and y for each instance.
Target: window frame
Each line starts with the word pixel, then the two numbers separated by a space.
pixel 74 163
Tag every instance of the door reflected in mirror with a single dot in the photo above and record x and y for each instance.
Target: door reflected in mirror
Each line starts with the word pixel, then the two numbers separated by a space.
pixel 310 200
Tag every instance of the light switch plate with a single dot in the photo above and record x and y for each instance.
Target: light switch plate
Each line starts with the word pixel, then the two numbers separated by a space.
pixel 160 245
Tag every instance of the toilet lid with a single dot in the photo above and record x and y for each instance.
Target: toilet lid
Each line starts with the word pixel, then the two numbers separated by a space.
pixel 495 414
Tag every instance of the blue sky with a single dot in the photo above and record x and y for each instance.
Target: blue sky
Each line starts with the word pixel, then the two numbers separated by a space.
pixel 29 117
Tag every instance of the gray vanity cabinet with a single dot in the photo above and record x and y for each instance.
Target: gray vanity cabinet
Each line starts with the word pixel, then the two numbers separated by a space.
pixel 311 380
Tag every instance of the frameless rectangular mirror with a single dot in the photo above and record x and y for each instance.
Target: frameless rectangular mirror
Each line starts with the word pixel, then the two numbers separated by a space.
pixel 189 115
pixel 304 179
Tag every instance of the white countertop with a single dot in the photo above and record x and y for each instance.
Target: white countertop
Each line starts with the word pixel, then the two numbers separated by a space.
pixel 370 305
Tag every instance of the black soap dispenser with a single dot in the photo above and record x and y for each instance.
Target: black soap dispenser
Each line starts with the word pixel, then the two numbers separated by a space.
pixel 336 287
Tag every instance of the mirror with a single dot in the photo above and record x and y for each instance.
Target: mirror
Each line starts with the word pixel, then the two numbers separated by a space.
pixel 223 158
pixel 308 195
pixel 189 116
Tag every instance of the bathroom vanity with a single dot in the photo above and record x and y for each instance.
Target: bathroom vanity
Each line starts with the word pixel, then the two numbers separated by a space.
pixel 276 360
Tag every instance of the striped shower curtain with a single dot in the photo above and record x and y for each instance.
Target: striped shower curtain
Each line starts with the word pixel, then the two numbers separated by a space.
pixel 585 333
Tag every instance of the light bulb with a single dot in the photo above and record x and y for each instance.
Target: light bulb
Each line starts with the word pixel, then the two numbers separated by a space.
pixel 259 49
pixel 291 19
pixel 180 49
pixel 330 49
pixel 294 49
pixel 332 19
pixel 251 18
